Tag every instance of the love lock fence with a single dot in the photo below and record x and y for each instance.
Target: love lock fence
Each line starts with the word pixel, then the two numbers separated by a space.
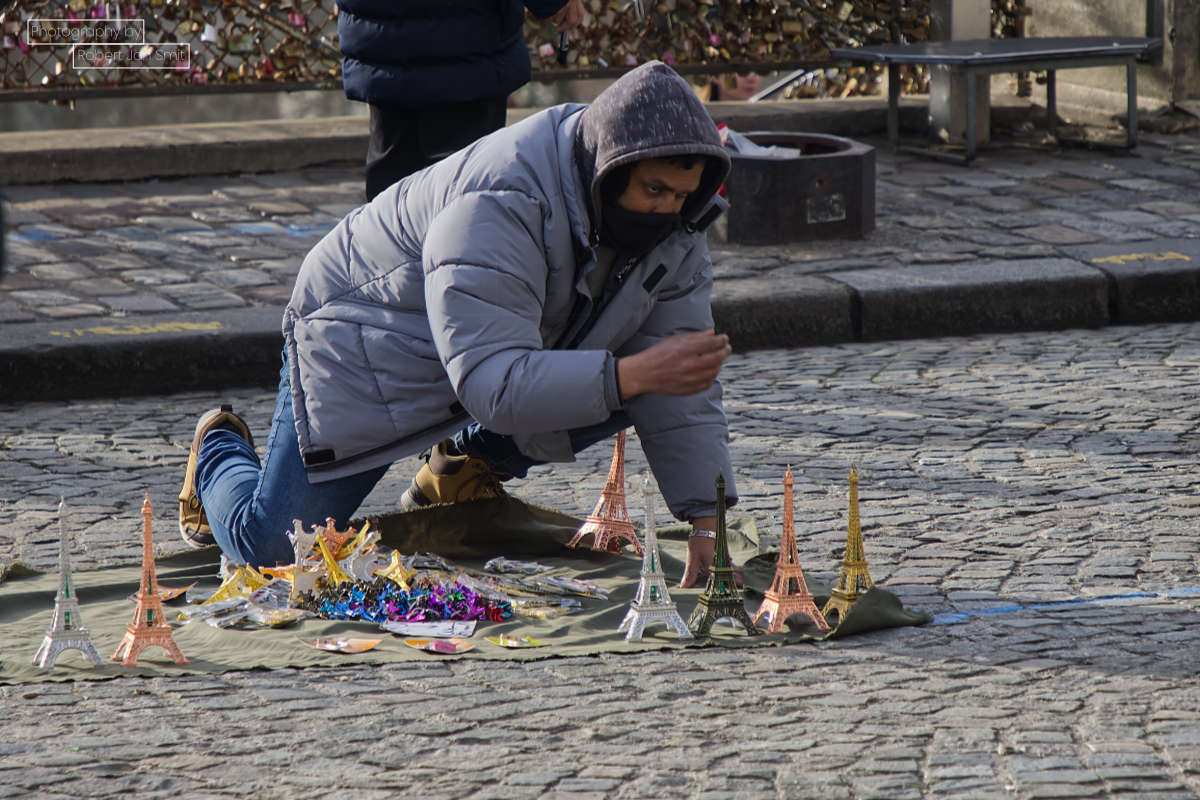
pixel 66 49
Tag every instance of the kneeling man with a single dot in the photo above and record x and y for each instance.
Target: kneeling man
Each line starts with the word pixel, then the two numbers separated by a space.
pixel 514 303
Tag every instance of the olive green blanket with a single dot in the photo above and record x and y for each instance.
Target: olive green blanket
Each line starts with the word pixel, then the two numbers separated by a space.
pixel 465 534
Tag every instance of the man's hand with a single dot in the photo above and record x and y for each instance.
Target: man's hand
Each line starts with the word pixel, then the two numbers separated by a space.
pixel 686 363
pixel 569 16
pixel 700 555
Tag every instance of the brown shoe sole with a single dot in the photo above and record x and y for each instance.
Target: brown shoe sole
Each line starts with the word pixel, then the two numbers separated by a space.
pixel 413 497
pixel 193 524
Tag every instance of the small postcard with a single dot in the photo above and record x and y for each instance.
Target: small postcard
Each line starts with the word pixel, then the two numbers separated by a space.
pixel 342 645
pixel 449 646
pixel 514 642
pixel 165 593
pixel 442 629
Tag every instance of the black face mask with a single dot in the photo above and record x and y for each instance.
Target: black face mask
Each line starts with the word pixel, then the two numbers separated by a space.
pixel 634 233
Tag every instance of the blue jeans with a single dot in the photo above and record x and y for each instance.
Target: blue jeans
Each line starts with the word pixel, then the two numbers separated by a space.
pixel 250 504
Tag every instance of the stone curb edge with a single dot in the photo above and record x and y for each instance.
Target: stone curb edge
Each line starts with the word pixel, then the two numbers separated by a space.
pixel 199 351
pixel 173 151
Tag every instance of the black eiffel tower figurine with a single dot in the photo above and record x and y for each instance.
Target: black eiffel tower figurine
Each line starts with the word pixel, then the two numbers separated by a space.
pixel 721 598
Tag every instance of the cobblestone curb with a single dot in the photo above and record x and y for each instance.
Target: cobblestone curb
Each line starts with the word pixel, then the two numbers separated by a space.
pixel 174 284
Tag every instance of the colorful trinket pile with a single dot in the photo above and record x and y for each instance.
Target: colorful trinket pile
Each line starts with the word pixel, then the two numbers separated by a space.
pixel 382 600
pixel 351 575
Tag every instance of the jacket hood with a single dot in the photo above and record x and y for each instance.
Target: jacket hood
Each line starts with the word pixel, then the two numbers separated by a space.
pixel 649 112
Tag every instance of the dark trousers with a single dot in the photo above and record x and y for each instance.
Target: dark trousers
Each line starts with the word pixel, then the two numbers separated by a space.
pixel 405 139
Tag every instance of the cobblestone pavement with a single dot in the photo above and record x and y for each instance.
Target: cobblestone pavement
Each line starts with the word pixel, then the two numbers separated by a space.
pixel 1036 492
pixel 126 250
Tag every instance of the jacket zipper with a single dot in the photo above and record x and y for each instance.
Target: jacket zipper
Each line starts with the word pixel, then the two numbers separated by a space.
pixel 624 273
pixel 606 297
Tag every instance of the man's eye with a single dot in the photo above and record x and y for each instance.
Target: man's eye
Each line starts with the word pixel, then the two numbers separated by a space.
pixel 653 190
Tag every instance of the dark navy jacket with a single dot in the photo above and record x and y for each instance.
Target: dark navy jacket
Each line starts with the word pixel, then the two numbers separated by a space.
pixel 419 52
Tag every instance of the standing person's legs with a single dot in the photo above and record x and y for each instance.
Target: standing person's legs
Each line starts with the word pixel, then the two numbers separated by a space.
pixel 250 505
pixel 392 147
pixel 405 139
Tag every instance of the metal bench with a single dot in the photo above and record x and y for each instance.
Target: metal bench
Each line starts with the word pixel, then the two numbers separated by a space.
pixel 986 56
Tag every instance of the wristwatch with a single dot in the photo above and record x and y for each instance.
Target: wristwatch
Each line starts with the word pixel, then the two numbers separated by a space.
pixel 698 533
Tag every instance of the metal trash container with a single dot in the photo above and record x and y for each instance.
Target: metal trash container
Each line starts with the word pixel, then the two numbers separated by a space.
pixel 828 192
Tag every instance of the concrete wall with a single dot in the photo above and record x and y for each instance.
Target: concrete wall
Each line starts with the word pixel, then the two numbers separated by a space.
pixel 1186 48
pixel 1174 76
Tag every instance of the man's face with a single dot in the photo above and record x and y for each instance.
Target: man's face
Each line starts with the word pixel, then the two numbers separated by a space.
pixel 657 186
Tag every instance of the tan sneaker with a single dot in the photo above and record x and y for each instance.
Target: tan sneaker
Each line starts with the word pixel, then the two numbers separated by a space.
pixel 193 524
pixel 452 479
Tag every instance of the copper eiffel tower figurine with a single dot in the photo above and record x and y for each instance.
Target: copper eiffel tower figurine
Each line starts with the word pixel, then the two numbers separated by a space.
pixel 854 580
pixel 652 603
pixel 789 591
pixel 66 631
pixel 149 625
pixel 721 598
pixel 609 523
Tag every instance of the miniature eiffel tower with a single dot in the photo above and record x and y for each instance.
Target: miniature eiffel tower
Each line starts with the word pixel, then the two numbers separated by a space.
pixel 609 522
pixel 854 579
pixel 304 576
pixel 149 625
pixel 789 591
pixel 721 598
pixel 652 603
pixel 66 631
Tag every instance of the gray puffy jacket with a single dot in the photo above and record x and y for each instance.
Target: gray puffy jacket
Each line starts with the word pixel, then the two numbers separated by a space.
pixel 456 292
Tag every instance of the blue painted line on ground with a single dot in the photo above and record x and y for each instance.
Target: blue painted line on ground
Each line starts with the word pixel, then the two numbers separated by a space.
pixel 961 616
pixel 289 229
pixel 130 232
pixel 36 235
pixel 258 227
pixel 308 230
pixel 186 229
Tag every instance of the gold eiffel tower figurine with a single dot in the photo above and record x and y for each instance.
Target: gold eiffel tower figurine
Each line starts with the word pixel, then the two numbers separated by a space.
pixel 854 580
pixel 721 598
pixel 149 625
pixel 66 631
pixel 789 591
pixel 609 523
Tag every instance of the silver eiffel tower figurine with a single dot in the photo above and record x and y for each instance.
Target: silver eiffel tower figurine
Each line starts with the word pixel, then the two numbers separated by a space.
pixel 652 603
pixel 67 631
